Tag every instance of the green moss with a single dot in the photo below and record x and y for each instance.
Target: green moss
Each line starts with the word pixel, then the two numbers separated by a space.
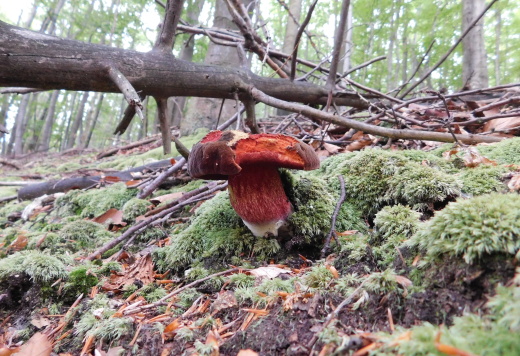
pixel 95 202
pixel 241 280
pixel 375 178
pixel 39 266
pixel 12 207
pixel 482 179
pixel 504 152
pixel 473 228
pixel 319 277
pixel 156 154
pixel 84 234
pixel 215 231
pixel 80 280
pixel 314 205
pixel 135 207
pixel 152 292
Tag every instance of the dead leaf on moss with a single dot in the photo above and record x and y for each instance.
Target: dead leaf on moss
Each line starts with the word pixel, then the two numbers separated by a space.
pixel 403 281
pixel 514 183
pixel 470 156
pixel 269 272
pixel 111 216
pixel 141 270
pixel 37 345
pixel 166 197
pixel 225 300
pixel 18 244
pixel 40 321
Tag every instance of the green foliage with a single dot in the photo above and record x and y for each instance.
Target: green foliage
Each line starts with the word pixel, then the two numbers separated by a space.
pixel 473 228
pixel 483 179
pixel 39 266
pixel 354 248
pixel 152 292
pixel 187 297
pixel 134 208
pixel 382 282
pixel 111 328
pixel 84 233
pixel 241 280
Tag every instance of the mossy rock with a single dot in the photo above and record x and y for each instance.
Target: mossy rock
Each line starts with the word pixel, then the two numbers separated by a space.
pixel 473 228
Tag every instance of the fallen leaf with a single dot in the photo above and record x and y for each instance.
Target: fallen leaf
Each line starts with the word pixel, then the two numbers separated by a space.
pixel 7 351
pixel 225 300
pixel 166 197
pixel 37 345
pixel 347 233
pixel 141 270
pixel 260 312
pixel 403 281
pixel 132 183
pixel 111 216
pixel 514 183
pixel 333 270
pixel 269 272
pixel 19 243
pixel 111 179
pixel 213 339
pixel 40 321
pixel 247 352
pixel 171 329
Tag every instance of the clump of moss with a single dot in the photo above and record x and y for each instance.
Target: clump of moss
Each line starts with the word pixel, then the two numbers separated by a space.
pixel 473 228
pixel 95 202
pixel 375 178
pixel 504 152
pixel 393 225
pixel 319 277
pixel 84 234
pixel 39 266
pixel 314 205
pixel 135 207
pixel 482 179
pixel 215 231
pixel 80 280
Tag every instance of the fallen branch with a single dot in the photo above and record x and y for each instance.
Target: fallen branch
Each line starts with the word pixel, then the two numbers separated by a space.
pixel 367 128
pixel 113 151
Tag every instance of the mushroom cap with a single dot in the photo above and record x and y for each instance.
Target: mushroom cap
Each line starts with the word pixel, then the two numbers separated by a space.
pixel 223 153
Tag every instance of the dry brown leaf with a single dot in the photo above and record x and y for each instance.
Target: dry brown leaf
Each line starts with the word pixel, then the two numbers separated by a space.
pixel 166 197
pixel 40 321
pixel 141 270
pixel 37 345
pixel 333 270
pixel 269 272
pixel 171 329
pixel 260 312
pixel 213 339
pixel 247 352
pixel 473 158
pixel 111 179
pixel 359 144
pixel 332 149
pixel 347 233
pixel 403 281
pixel 514 183
pixel 8 351
pixel 111 216
pixel 132 183
pixel 225 300
pixel 19 243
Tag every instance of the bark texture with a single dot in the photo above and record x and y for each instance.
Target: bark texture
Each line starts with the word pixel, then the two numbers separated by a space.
pixel 474 63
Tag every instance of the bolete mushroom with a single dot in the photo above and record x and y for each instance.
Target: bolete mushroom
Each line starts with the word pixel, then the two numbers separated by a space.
pixel 250 163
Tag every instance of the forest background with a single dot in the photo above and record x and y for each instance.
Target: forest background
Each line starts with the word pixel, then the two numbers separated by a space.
pixel 412 35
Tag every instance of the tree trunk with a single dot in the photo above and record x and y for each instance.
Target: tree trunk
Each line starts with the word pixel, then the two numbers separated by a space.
pixel 49 123
pixel 498 33
pixel 93 118
pixel 474 64
pixel 192 16
pixel 346 47
pixel 74 128
pixel 21 124
pixel 204 112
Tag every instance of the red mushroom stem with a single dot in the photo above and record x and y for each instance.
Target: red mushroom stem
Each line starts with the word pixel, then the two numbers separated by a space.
pixel 258 197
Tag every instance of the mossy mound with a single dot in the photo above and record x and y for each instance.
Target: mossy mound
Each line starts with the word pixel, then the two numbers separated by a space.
pixel 93 202
pixel 217 233
pixel 483 179
pixel 135 207
pixel 80 234
pixel 473 228
pixel 375 178
pixel 39 266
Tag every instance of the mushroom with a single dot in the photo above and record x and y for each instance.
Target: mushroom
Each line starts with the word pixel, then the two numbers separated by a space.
pixel 250 163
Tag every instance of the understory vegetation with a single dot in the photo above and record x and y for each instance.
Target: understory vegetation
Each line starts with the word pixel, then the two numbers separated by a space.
pixel 425 251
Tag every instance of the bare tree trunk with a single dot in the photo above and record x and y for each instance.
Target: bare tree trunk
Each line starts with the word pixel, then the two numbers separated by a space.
pixel 74 128
pixel 49 123
pixel 346 47
pixel 93 118
pixel 474 64
pixel 49 23
pixel 204 112
pixel 498 32
pixel 176 106
pixel 21 124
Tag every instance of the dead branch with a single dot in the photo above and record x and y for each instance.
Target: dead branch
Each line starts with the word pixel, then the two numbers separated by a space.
pixel 113 151
pixel 298 38
pixel 126 89
pixel 367 128
pixel 166 38
pixel 148 190
pixel 142 225
pixel 338 41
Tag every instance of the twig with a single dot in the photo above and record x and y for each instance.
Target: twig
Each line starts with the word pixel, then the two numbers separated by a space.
pixel 148 190
pixel 179 290
pixel 438 64
pixel 166 136
pixel 298 38
pixel 127 147
pixel 332 231
pixel 373 91
pixel 127 89
pixel 144 223
pixel 179 146
pixel 334 314
pixel 512 100
pixel 416 70
pixel 367 128
pixel 362 65
pixel 338 41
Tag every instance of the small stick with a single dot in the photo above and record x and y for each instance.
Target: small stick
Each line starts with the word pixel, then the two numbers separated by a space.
pixel 332 231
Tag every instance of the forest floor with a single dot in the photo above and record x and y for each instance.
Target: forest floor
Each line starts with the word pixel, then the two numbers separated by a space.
pixel 423 260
